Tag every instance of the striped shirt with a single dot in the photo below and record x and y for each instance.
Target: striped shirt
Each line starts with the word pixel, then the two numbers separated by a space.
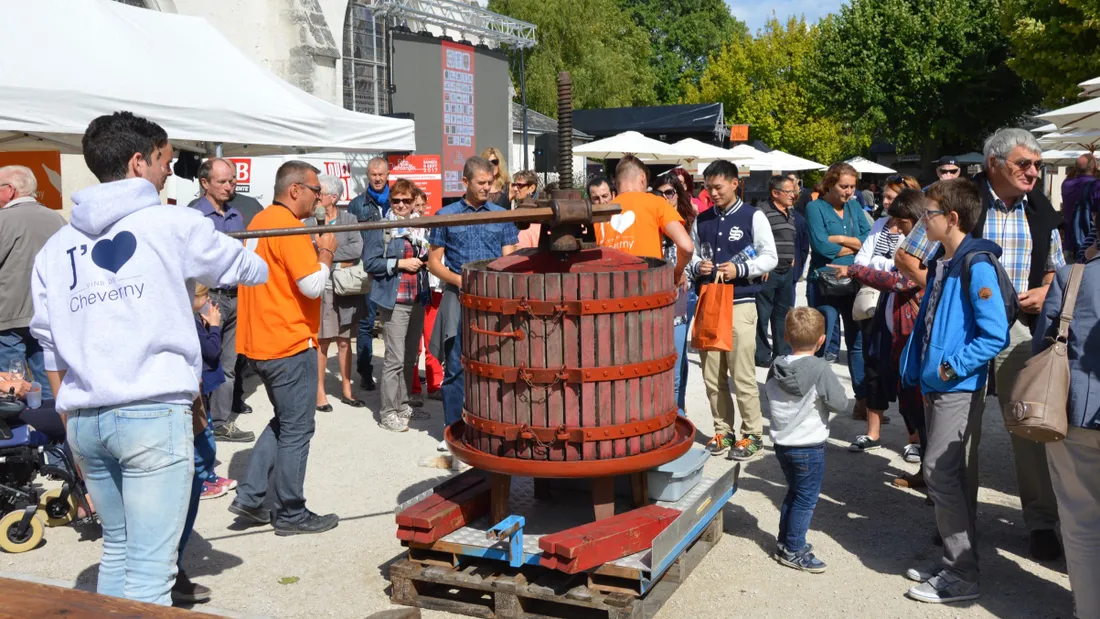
pixel 886 243
pixel 784 231
pixel 1007 227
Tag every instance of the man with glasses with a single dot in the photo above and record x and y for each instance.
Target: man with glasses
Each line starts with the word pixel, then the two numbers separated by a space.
pixel 947 168
pixel 216 178
pixel 25 226
pixel 776 296
pixel 277 330
pixel 1017 216
pixel 371 205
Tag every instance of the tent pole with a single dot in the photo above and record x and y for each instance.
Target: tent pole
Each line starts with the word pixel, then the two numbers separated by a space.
pixel 523 102
pixel 218 150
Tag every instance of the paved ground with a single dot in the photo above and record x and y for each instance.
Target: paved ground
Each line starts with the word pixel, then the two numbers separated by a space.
pixel 866 530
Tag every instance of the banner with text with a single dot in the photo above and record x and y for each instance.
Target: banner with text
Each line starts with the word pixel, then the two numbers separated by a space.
pixel 423 171
pixel 458 114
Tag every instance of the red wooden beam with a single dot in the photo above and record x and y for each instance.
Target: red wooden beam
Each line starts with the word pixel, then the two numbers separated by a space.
pixel 447 515
pixel 591 545
pixel 411 516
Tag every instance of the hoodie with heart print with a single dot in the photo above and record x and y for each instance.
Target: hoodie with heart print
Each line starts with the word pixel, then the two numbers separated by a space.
pixel 112 295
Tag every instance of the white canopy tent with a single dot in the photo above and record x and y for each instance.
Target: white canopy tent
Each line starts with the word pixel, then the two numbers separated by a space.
pixel 630 143
pixel 866 166
pixel 747 156
pixel 696 151
pixel 789 163
pixel 69 61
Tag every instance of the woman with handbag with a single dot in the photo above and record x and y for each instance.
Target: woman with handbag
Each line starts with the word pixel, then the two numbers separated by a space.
pixel 1075 461
pixel 339 314
pixel 837 230
pixel 885 337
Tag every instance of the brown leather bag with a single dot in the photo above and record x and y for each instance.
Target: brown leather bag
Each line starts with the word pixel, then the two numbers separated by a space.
pixel 1037 410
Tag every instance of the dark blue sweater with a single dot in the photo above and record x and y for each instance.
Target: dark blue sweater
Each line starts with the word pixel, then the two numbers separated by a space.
pixel 210 347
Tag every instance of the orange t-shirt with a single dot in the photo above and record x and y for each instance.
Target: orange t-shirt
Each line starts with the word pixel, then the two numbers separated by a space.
pixel 275 320
pixel 637 230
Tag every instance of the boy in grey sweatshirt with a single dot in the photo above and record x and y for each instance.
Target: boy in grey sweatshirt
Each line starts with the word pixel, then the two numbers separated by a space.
pixel 802 390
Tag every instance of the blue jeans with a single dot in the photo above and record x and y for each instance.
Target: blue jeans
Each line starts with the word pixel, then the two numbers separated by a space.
pixel 364 341
pixel 454 380
pixel 20 344
pixel 138 463
pixel 205 459
pixel 283 446
pixel 775 299
pixel 803 467
pixel 839 309
pixel 681 333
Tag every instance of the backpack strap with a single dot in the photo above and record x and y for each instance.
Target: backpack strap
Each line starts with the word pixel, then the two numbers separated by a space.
pixel 1069 300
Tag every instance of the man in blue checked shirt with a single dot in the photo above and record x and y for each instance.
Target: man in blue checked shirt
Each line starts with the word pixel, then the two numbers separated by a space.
pixel 1020 219
pixel 450 248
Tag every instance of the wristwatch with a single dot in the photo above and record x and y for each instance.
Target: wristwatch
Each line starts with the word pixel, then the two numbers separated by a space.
pixel 948 371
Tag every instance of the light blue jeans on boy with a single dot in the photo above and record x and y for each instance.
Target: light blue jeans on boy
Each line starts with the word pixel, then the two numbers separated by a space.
pixel 206 455
pixel 138 464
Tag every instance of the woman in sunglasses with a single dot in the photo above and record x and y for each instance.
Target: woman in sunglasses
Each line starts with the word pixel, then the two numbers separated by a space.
pixel 523 186
pixel 669 187
pixel 501 191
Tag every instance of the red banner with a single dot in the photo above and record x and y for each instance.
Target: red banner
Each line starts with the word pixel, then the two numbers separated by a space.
pixel 46 166
pixel 342 171
pixel 424 172
pixel 243 169
pixel 458 114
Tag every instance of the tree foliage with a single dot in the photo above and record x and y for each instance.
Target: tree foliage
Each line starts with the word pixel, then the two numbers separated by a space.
pixel 924 73
pixel 1055 43
pixel 759 80
pixel 606 53
pixel 683 35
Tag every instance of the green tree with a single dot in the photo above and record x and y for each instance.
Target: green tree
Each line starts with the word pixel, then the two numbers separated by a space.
pixel 924 74
pixel 759 82
pixel 1055 43
pixel 606 53
pixel 683 33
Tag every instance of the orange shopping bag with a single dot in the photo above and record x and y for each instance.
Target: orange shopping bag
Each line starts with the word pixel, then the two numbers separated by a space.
pixel 714 317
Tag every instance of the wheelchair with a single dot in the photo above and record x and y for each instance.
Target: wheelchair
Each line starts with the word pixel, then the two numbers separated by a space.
pixel 25 455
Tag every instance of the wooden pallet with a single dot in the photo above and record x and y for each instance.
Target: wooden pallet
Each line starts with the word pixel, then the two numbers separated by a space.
pixel 492 590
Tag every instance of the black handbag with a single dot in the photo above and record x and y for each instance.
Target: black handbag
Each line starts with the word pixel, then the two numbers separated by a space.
pixel 828 284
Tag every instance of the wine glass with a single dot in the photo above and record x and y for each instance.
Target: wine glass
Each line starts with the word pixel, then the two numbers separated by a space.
pixel 706 252
pixel 17 370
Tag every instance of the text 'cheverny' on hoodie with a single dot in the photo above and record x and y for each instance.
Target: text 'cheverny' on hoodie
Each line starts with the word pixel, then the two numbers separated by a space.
pixel 802 390
pixel 112 295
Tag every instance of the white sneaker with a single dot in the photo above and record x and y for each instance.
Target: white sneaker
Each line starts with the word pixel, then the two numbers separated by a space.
pixel 394 423
pixel 912 453
pixel 943 588
pixel 442 446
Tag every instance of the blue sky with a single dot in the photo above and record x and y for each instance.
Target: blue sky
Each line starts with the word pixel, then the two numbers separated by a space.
pixel 755 13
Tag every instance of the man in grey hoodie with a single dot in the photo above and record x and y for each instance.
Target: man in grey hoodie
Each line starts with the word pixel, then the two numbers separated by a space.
pixel 802 390
pixel 112 311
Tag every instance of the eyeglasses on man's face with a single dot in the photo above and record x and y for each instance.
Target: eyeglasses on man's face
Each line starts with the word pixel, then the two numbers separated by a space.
pixel 1025 164
pixel 316 189
pixel 948 171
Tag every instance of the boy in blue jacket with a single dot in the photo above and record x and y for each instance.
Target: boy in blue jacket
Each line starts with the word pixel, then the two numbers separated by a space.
pixel 958 332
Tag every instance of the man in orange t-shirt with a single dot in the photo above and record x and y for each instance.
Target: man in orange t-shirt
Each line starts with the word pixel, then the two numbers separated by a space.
pixel 277 326
pixel 637 230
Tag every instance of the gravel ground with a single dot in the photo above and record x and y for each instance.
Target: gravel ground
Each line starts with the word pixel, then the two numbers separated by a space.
pixel 867 531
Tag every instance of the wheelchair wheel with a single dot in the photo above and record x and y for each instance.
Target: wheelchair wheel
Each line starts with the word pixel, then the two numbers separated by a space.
pixel 58 513
pixel 11 541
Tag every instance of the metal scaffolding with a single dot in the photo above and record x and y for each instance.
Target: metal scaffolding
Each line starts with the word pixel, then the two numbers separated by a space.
pixel 466 19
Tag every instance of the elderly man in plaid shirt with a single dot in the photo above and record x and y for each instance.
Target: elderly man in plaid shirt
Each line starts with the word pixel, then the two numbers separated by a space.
pixel 1020 219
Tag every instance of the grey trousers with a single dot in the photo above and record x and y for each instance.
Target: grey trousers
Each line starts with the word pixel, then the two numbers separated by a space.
pixel 950 465
pixel 1032 474
pixel 401 330
pixel 1074 463
pixel 221 400
pixel 282 450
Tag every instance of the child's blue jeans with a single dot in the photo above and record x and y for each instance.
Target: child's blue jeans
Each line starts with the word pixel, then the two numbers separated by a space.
pixel 205 458
pixel 804 467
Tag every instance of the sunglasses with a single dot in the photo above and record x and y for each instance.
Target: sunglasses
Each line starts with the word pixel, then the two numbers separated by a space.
pixel 523 185
pixel 948 170
pixel 401 200
pixel 1024 164
pixel 316 189
pixel 494 161
pixel 669 193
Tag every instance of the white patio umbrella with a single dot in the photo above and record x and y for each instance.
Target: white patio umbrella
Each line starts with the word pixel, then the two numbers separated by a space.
pixel 1072 140
pixel 746 156
pixel 790 163
pixel 693 150
pixel 1081 116
pixel 1047 128
pixel 866 166
pixel 1062 157
pixel 1090 88
pixel 632 143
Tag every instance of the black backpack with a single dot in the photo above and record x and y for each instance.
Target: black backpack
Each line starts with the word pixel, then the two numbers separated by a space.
pixel 1008 291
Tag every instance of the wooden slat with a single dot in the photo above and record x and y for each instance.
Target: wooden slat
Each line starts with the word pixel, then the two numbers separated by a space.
pixel 587 546
pixel 668 337
pixel 523 357
pixel 555 355
pixel 474 400
pixel 508 358
pixel 589 392
pixel 603 357
pixel 536 291
pixel 490 388
pixel 619 356
pixel 571 341
pixel 636 406
pixel 30 600
pixel 450 515
pixel 411 516
pixel 646 319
